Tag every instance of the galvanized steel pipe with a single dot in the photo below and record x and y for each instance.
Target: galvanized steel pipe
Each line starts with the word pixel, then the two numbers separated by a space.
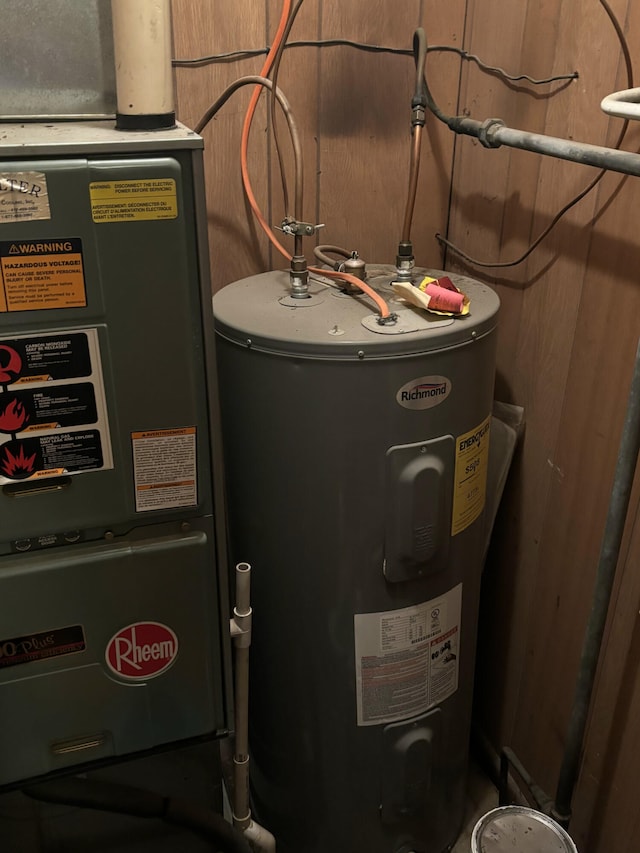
pixel 493 133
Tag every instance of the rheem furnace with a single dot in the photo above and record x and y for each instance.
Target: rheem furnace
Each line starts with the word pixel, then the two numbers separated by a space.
pixel 113 637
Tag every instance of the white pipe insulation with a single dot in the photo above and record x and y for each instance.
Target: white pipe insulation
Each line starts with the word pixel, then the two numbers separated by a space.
pixel 144 77
pixel 624 104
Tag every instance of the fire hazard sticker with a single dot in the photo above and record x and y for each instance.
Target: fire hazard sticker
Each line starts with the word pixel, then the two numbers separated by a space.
pixel 53 415
pixel 23 197
pixel 407 660
pixel 141 651
pixel 470 479
pixel 39 276
pixel 165 470
pixel 128 201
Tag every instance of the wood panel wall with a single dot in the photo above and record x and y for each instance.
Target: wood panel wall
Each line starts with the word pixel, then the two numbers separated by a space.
pixel 569 324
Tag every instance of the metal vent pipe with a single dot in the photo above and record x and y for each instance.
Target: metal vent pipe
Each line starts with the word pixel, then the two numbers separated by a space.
pixel 144 77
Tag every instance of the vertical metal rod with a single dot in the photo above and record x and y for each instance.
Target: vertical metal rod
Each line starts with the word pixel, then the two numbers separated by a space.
pixel 609 553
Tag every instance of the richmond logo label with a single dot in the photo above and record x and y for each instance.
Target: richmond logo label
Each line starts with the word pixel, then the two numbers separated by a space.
pixel 425 392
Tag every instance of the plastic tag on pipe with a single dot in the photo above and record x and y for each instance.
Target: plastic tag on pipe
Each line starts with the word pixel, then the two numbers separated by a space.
pixel 436 295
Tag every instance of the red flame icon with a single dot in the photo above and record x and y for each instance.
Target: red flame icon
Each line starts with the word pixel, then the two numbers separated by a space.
pixel 13 417
pixel 16 465
pixel 10 365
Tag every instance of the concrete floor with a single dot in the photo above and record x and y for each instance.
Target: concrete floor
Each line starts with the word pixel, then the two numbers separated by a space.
pixel 30 827
pixel 481 798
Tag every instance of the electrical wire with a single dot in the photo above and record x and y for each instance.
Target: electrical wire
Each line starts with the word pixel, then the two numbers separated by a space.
pixel 577 198
pixel 374 48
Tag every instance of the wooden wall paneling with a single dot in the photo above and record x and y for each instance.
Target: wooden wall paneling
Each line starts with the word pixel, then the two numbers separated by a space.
pixel 298 79
pixel 551 312
pixel 601 790
pixel 605 346
pixel 571 359
pixel 364 121
pixel 443 26
pixel 494 197
pixel 606 789
pixel 203 27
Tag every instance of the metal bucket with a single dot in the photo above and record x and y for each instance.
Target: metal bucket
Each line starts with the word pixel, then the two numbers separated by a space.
pixel 517 829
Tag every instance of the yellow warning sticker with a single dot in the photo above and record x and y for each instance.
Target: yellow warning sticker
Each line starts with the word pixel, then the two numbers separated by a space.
pixel 130 201
pixel 470 482
pixel 41 275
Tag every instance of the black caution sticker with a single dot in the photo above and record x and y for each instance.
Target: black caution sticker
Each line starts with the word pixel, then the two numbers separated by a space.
pixel 51 455
pixel 44 358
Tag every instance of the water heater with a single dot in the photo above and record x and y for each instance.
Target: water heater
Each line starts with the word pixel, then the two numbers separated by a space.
pixel 356 457
pixel 113 637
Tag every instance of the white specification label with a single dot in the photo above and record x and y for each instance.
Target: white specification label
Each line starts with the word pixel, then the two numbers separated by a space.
pixel 407 660
pixel 164 466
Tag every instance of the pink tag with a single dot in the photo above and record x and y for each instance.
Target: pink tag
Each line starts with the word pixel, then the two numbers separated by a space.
pixel 443 299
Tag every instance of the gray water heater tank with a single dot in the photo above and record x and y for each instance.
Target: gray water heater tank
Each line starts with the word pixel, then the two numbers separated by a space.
pixel 356 461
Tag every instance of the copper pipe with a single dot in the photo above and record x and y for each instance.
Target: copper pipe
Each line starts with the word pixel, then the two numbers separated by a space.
pixel 414 170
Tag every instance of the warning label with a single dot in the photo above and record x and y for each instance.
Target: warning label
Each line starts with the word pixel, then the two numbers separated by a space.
pixel 42 275
pixel 164 465
pixel 45 358
pixel 51 455
pixel 126 201
pixel 49 423
pixel 47 408
pixel 470 479
pixel 407 660
pixel 41 646
pixel 23 197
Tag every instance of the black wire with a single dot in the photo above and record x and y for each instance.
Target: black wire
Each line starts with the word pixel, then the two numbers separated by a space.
pixel 472 57
pixel 576 199
pixel 371 48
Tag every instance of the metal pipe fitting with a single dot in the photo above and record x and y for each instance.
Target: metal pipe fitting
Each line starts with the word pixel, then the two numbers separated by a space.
pixel 299 277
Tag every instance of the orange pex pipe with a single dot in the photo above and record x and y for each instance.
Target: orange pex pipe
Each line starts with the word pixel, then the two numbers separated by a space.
pixel 244 148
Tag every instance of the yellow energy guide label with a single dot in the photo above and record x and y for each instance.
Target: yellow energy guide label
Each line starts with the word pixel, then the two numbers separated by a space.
pixel 470 480
pixel 130 201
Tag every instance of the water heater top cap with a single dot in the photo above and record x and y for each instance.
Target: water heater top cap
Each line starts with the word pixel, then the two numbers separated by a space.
pixel 259 312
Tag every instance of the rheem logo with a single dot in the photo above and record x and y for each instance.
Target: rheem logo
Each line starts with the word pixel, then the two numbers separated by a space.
pixel 141 651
